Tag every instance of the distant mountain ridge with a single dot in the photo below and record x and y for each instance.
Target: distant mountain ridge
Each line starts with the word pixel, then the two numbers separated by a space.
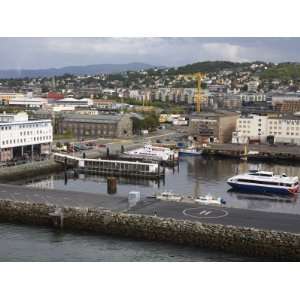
pixel 74 70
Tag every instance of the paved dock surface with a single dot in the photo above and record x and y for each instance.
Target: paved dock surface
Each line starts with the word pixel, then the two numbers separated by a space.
pixel 167 209
pixel 222 215
pixel 62 198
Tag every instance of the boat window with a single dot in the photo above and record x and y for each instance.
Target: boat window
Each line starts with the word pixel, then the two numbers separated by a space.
pixel 265 175
pixel 258 182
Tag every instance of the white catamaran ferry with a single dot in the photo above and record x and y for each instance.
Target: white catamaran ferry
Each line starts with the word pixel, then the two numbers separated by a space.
pixel 264 182
pixel 154 152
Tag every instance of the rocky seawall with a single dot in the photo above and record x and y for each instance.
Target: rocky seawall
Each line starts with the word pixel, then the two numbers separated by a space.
pixel 271 245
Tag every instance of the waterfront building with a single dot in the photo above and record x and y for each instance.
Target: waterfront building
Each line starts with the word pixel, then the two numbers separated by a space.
pixel 96 126
pixel 285 129
pixel 209 127
pixel 250 128
pixel 273 128
pixel 24 138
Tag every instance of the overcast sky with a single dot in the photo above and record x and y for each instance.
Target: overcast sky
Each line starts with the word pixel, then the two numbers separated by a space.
pixel 35 53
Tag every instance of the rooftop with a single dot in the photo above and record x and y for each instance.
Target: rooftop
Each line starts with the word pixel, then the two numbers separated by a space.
pixel 93 118
pixel 219 113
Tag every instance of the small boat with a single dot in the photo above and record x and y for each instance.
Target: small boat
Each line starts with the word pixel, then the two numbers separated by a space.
pixel 189 152
pixel 210 200
pixel 168 196
pixel 264 182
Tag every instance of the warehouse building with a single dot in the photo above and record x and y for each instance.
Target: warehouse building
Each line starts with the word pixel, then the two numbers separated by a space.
pixel 212 127
pixel 95 126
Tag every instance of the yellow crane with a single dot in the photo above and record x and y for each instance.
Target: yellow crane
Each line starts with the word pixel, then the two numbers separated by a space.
pixel 198 96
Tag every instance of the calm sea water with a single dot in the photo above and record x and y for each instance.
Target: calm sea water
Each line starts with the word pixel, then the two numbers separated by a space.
pixel 194 176
pixel 22 243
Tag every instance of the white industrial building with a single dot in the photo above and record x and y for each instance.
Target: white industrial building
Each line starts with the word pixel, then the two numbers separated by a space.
pixel 86 102
pixel 23 138
pixel 28 102
pixel 250 128
pixel 256 128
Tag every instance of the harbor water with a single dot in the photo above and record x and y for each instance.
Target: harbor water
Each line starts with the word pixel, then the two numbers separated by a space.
pixel 194 176
pixel 24 243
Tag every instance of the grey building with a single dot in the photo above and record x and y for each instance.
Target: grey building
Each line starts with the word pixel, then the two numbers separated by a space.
pixel 95 126
pixel 208 127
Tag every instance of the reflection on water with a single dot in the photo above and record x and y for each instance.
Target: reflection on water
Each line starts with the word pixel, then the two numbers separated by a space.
pixel 195 176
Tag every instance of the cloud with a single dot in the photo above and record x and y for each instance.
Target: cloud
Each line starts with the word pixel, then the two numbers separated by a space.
pixel 225 51
pixel 58 52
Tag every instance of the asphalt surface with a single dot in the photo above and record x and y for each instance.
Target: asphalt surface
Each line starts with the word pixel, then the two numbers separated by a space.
pixel 222 215
pixel 62 198
pixel 166 209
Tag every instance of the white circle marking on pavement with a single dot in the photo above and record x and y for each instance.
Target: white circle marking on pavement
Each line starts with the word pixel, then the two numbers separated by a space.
pixel 204 213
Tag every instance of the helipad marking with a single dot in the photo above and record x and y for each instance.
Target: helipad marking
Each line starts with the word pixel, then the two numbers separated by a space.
pixel 205 214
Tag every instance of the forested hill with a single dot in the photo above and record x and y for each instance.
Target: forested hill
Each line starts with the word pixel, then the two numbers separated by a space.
pixel 283 71
pixel 208 67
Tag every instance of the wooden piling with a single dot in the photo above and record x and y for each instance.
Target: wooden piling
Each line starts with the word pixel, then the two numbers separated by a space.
pixel 111 185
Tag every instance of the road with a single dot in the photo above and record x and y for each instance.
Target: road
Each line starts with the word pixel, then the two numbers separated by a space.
pixel 166 209
pixel 115 145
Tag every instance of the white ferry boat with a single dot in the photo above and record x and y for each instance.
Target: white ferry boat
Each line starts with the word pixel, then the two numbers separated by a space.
pixel 154 152
pixel 264 182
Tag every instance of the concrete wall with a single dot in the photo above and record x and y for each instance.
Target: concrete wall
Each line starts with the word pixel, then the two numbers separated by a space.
pixel 250 242
pixel 29 169
pixel 124 127
pixel 226 126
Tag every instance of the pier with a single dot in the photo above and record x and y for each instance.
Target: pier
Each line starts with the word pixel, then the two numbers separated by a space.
pixel 262 152
pixel 248 232
pixel 111 167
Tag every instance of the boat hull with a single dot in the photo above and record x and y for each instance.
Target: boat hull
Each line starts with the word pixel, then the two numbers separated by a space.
pixel 262 189
pixel 190 153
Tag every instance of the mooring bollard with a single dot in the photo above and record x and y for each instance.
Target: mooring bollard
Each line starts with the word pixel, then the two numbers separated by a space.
pixel 111 185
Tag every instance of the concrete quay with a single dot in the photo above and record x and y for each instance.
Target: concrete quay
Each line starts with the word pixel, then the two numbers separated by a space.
pixel 265 152
pixel 29 169
pixel 251 233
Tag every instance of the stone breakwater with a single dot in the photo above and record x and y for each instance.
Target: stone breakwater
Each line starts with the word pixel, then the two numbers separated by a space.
pixel 266 244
